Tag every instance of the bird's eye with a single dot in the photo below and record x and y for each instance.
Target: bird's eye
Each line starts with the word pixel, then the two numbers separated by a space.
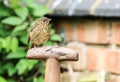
pixel 44 20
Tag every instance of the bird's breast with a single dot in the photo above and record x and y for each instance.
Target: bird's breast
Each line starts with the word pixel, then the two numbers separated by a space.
pixel 39 36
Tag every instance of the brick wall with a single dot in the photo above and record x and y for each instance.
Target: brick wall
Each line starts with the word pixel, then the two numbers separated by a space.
pixel 98 44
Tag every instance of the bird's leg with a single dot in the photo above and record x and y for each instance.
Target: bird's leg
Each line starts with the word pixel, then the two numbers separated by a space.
pixel 32 46
pixel 35 46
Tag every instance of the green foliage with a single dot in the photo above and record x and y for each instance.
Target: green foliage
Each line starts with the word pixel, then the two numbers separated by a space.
pixel 19 53
pixel 39 79
pixel 2 79
pixel 10 69
pixel 16 19
pixel 56 37
pixel 40 10
pixel 19 28
pixel 24 65
pixel 22 12
pixel 14 3
pixel 12 20
pixel 3 12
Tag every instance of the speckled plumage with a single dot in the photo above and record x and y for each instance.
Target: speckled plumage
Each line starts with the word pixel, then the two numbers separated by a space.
pixel 40 32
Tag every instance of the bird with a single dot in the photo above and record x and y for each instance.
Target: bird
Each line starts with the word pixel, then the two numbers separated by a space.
pixel 40 32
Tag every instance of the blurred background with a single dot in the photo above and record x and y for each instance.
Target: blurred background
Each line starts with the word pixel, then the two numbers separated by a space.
pixel 91 27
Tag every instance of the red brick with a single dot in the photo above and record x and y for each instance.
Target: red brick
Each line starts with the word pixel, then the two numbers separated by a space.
pixel 67 27
pixel 80 48
pixel 116 32
pixel 103 59
pixel 93 32
pixel 80 31
pixel 95 59
pixel 112 61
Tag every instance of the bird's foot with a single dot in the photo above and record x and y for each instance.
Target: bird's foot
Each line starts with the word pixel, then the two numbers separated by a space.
pixel 35 46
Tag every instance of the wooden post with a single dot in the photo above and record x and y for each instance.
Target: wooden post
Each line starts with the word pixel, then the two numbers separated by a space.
pixel 53 55
pixel 52 72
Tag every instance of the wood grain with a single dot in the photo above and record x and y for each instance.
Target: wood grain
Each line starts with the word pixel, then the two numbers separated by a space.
pixel 59 53
pixel 52 72
pixel 52 55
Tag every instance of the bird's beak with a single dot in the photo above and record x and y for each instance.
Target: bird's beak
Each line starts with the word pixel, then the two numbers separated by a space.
pixel 50 19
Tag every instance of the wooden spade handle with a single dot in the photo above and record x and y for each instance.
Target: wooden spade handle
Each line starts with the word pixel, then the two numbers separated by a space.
pixel 52 72
pixel 53 55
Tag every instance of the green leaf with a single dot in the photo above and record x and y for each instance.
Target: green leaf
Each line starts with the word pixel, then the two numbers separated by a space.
pixel 11 80
pixel 1 30
pixel 2 79
pixel 18 33
pixel 20 53
pixel 28 2
pixel 31 63
pixel 3 12
pixel 24 38
pixel 20 28
pixel 12 20
pixel 48 43
pixel 35 79
pixel 22 12
pixel 2 43
pixel 52 31
pixel 8 43
pixel 24 65
pixel 10 68
pixel 1 68
pixel 14 44
pixel 40 79
pixel 14 3
pixel 41 11
pixel 42 69
pixel 56 37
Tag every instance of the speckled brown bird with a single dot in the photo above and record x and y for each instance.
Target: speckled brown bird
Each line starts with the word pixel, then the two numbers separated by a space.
pixel 40 32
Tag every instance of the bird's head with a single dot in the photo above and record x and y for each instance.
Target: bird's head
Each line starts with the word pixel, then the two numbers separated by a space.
pixel 45 20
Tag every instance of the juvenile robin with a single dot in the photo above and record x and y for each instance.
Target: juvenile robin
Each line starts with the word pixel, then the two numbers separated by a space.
pixel 40 32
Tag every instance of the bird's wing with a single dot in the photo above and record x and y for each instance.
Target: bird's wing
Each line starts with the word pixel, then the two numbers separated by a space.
pixel 34 26
pixel 31 31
